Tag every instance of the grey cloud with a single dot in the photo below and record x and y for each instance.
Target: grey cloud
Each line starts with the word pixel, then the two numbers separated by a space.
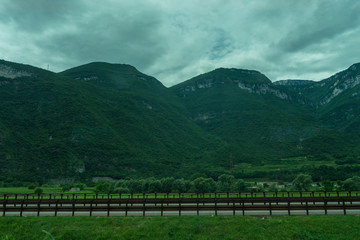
pixel 330 19
pixel 37 15
pixel 175 40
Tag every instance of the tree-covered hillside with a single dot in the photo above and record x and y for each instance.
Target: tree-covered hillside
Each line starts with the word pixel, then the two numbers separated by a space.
pixel 58 126
pixel 110 120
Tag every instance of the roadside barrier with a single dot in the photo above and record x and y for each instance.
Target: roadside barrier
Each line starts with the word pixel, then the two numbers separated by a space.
pixel 178 204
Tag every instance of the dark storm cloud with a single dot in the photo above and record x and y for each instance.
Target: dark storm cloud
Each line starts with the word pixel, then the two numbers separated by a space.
pixel 175 40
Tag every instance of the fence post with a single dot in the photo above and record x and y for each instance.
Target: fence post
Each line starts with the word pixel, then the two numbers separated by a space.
pixel 56 207
pixel 73 207
pixel 270 208
pixel 233 207
pixel 126 207
pixel 22 208
pixel 197 206
pixel 162 207
pixel 38 207
pixel 325 206
pixel 144 203
pixel 288 206
pixel 215 206
pixel 344 207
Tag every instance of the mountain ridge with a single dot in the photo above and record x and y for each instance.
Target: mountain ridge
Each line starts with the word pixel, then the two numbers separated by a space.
pixel 102 119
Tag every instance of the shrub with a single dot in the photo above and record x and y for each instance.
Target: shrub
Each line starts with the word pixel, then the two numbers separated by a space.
pixel 38 190
pixel 32 186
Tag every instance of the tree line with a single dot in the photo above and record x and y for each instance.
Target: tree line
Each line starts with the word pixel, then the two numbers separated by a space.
pixel 224 183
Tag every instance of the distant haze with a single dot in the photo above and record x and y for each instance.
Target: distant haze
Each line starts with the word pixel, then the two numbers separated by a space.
pixel 175 40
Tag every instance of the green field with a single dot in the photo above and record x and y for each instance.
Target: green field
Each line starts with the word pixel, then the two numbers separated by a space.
pixel 25 190
pixel 281 227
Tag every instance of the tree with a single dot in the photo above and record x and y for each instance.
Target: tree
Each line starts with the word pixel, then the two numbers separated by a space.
pixel 352 184
pixel 225 182
pixel 202 185
pixel 240 186
pixel 328 185
pixel 273 188
pixel 102 187
pixel 166 184
pixel 38 191
pixel 302 182
pixel 181 185
pixel 135 186
pixel 155 186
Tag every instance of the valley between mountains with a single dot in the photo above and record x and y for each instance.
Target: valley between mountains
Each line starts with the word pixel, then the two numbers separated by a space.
pixel 110 120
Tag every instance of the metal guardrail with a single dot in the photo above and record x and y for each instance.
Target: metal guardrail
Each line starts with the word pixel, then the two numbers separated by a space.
pixel 126 205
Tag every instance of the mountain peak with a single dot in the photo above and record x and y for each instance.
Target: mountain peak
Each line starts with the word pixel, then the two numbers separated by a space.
pixel 110 75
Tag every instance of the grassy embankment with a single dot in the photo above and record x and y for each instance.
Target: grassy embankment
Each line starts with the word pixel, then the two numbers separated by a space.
pixel 280 227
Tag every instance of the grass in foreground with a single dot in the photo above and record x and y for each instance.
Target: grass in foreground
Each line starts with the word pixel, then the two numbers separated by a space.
pixel 280 227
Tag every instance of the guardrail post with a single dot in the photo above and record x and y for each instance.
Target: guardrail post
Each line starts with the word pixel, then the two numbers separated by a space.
pixel 197 206
pixel 38 207
pixel 307 207
pixel 73 207
pixel 270 208
pixel 288 207
pixel 162 207
pixel 91 206
pixel 56 207
pixel 233 207
pixel 144 207
pixel 215 207
pixel 344 207
pixel 179 207
pixel 126 207
pixel 22 208
pixel 325 206
pixel 4 205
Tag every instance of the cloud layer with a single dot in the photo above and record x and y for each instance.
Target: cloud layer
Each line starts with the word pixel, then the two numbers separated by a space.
pixel 176 40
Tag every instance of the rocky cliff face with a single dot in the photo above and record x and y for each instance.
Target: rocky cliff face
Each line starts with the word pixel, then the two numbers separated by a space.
pixel 12 73
pixel 291 82
pixel 341 82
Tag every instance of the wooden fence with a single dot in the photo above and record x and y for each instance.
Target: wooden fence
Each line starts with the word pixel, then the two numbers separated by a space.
pixel 177 204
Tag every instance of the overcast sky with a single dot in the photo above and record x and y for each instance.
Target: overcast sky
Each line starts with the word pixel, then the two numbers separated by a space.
pixel 174 40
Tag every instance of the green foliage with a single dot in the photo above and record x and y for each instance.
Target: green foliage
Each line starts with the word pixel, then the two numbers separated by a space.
pixel 240 186
pixel 110 120
pixel 103 187
pixel 302 182
pixel 203 185
pixel 328 185
pixel 38 190
pixel 225 183
pixel 32 186
pixel 352 184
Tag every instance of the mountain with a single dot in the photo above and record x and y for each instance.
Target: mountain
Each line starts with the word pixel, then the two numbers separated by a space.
pixel 98 119
pixel 259 120
pixel 294 82
pixel 110 120
pixel 264 122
